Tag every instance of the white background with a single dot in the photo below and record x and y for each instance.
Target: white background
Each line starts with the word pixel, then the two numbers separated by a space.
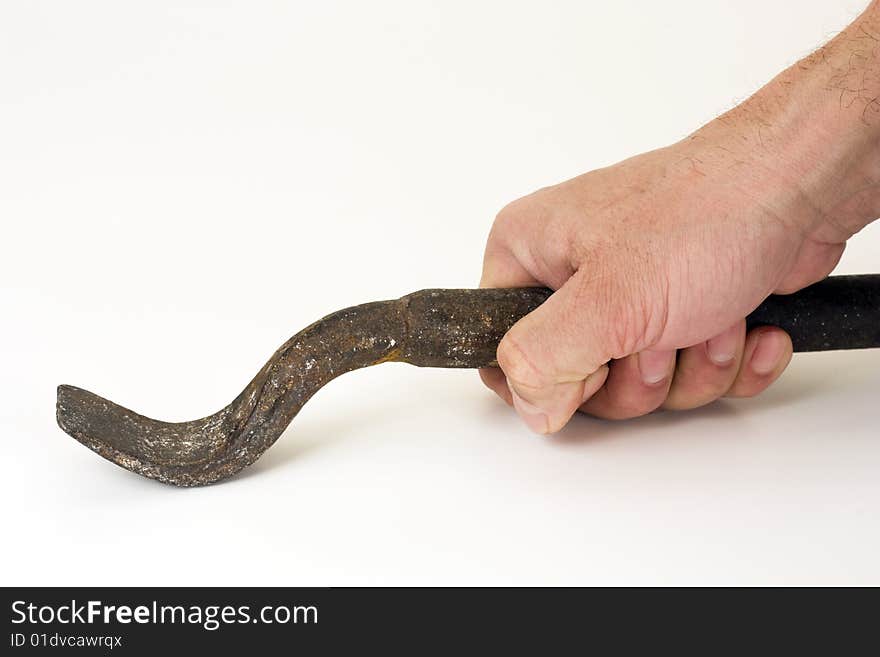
pixel 183 186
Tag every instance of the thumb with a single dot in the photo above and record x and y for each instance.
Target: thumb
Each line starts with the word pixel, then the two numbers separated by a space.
pixel 555 358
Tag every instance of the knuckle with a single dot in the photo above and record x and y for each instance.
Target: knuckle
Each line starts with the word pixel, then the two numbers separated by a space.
pixel 513 212
pixel 520 369
pixel 748 387
pixel 628 307
pixel 630 403
pixel 639 407
pixel 708 391
pixel 686 402
pixel 675 403
pixel 698 381
pixel 622 410
pixel 532 209
pixel 746 391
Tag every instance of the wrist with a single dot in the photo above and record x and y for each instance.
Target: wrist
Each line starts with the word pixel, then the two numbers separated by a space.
pixel 813 133
pixel 834 141
pixel 846 83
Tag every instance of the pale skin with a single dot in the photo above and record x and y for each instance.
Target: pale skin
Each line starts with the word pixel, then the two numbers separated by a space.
pixel 657 260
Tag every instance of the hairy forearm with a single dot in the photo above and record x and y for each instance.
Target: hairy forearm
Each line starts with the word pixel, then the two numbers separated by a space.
pixel 816 129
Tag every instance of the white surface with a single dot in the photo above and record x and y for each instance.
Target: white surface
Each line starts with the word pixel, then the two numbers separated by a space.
pixel 169 172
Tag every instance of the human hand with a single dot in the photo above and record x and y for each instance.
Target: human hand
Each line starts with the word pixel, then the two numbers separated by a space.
pixel 658 259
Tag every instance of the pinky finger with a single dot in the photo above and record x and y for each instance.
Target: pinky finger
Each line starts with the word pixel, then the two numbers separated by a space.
pixel 767 353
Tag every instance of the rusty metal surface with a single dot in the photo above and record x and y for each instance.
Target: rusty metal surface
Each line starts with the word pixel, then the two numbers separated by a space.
pixel 431 328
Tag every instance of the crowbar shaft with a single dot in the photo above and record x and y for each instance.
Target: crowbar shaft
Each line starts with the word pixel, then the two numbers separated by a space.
pixel 430 328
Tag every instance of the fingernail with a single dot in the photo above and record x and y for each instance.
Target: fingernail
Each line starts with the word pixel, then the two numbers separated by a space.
pixel 767 352
pixel 722 348
pixel 534 417
pixel 655 366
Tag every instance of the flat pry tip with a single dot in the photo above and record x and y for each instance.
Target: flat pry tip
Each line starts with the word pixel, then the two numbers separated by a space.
pixel 123 437
pixel 63 397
